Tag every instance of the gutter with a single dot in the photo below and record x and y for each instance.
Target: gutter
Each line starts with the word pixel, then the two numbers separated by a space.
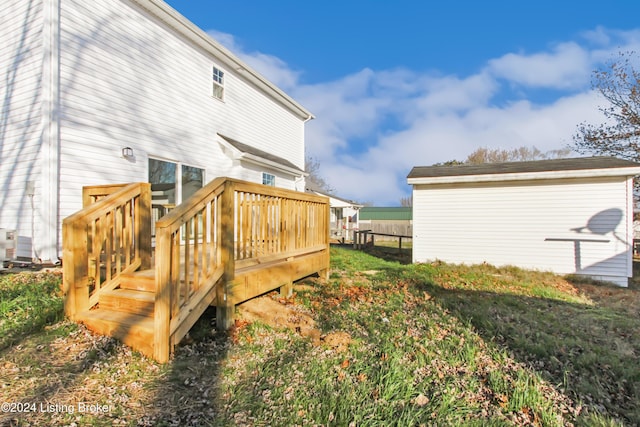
pixel 250 158
pixel 526 176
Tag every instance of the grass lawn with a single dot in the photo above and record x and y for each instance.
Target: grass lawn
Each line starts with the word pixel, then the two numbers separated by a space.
pixel 382 344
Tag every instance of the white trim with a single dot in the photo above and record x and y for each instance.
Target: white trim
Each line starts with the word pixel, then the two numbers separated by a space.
pixel 217 84
pixel 178 174
pixel 526 176
pixel 256 160
pixel 173 18
pixel 260 161
pixel 272 178
pixel 629 216
pixel 50 130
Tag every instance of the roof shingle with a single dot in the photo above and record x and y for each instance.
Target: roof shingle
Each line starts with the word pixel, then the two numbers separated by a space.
pixel 582 163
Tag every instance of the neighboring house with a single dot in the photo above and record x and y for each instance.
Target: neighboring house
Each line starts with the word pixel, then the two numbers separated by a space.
pixel 114 91
pixel 565 216
pixel 387 220
pixel 343 213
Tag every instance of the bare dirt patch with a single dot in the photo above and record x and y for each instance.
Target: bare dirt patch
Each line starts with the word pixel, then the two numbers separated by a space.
pixel 280 314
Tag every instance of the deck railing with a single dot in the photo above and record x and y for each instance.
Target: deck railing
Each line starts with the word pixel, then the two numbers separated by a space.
pixel 110 236
pixel 226 225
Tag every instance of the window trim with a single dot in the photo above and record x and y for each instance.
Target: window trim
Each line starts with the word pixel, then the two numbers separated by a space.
pixel 217 83
pixel 178 174
pixel 271 181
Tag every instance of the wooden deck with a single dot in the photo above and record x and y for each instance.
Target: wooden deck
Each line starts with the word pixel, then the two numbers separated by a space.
pixel 230 242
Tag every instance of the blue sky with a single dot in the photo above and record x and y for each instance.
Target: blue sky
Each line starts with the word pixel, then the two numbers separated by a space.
pixel 409 83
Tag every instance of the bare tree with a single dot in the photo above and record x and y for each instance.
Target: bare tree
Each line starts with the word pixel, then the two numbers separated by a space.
pixel 619 83
pixel 406 201
pixel 449 163
pixel 520 154
pixel 315 181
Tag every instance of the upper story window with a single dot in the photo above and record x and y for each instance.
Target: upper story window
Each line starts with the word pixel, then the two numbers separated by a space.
pixel 218 83
pixel 268 179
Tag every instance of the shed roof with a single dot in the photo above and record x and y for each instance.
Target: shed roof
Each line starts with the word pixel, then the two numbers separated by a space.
pixel 386 213
pixel 537 169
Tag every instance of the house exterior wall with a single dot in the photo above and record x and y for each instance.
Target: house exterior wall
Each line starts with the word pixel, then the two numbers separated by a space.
pixel 565 226
pixel 252 172
pixel 129 80
pixel 21 118
pixel 114 75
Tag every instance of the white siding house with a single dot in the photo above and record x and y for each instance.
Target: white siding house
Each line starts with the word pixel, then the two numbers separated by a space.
pixel 568 216
pixel 116 91
pixel 343 213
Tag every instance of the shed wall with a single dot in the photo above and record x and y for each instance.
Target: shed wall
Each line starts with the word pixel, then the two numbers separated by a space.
pixel 564 226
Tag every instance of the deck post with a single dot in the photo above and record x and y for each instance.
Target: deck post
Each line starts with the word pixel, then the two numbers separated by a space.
pixel 326 235
pixel 225 307
pixel 286 290
pixel 144 226
pixel 162 307
pixel 75 266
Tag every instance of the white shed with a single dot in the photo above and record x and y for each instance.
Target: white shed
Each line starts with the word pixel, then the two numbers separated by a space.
pixel 568 216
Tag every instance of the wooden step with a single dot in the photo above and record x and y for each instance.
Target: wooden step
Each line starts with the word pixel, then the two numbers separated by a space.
pixel 143 280
pixel 134 331
pixel 130 301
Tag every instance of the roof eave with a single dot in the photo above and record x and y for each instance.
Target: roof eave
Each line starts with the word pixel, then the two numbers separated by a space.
pixel 173 18
pixel 526 176
pixel 250 158
pixel 240 155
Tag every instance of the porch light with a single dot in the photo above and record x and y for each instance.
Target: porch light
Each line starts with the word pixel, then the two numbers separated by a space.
pixel 127 152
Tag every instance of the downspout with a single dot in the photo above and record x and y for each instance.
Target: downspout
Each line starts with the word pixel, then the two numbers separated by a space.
pixel 50 176
pixel 302 177
pixel 630 228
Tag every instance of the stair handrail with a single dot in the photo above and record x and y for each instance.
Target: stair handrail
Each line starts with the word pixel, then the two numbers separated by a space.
pixel 173 305
pixel 116 228
pixel 221 221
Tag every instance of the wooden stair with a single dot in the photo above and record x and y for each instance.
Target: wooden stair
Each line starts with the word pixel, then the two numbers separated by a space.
pixel 126 312
pixel 229 242
pixel 143 280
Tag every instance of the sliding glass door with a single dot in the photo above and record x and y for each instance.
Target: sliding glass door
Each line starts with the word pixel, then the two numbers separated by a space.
pixel 171 184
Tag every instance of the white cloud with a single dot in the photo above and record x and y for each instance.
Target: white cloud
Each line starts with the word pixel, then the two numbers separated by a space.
pixel 372 126
pixel 566 66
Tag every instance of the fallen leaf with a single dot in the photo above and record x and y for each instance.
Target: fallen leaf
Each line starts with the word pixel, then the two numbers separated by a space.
pixel 421 400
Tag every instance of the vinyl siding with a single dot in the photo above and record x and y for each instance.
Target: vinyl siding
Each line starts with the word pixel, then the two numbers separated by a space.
pixel 127 79
pixel 21 61
pixel 534 225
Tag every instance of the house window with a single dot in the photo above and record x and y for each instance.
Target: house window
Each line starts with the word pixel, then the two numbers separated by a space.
pixel 268 179
pixel 218 83
pixel 172 182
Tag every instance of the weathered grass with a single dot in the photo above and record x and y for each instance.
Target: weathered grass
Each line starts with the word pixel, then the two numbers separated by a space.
pixel 431 344
pixel 28 302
